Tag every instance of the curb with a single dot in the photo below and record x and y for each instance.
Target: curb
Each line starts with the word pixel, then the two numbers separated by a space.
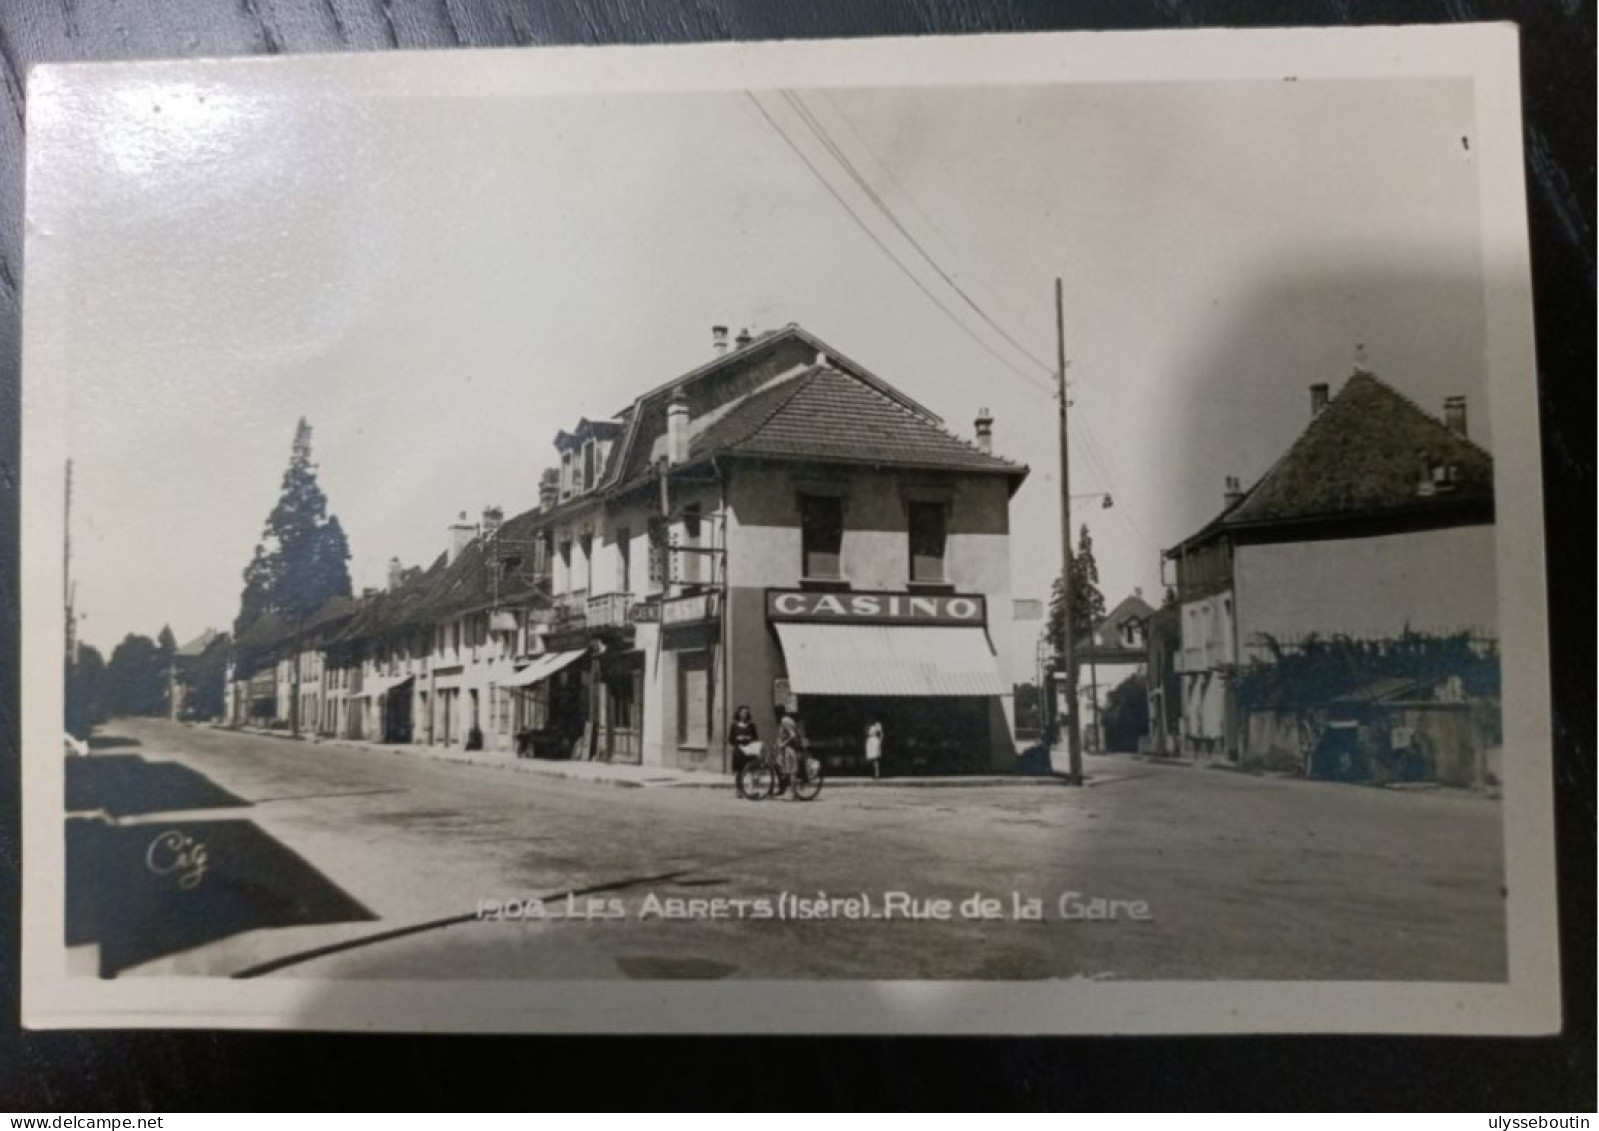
pixel 717 782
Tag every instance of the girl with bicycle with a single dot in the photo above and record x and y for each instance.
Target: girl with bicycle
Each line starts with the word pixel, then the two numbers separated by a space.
pixel 743 737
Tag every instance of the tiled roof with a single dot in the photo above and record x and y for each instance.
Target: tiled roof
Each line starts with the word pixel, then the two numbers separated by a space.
pixel 266 630
pixel 725 379
pixel 747 417
pixel 1132 607
pixel 1367 451
pixel 705 389
pixel 1366 455
pixel 827 415
pixel 465 583
pixel 333 610
pixel 462 584
pixel 198 645
pixel 391 610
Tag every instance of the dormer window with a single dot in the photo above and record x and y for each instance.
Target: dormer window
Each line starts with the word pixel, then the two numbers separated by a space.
pixel 566 475
pixel 1439 479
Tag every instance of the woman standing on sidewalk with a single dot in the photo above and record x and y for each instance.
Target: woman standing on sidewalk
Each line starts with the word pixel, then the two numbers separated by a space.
pixel 874 748
pixel 743 737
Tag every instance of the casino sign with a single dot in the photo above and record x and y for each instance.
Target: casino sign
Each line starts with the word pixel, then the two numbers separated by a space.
pixel 800 605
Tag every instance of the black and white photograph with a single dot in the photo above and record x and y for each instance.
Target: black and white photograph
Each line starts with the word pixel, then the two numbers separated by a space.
pixel 1010 534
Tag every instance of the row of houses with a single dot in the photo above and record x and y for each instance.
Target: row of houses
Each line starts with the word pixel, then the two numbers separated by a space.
pixel 778 527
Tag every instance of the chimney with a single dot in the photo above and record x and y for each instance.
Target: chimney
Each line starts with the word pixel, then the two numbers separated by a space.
pixel 1455 415
pixel 984 427
pixel 396 573
pixel 1231 491
pixel 677 430
pixel 743 338
pixel 492 517
pixel 1318 399
pixel 461 533
pixel 719 339
pixel 549 487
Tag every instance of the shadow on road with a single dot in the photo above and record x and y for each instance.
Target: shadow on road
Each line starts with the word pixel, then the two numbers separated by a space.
pixel 111 741
pixel 126 784
pixel 166 886
pixel 147 891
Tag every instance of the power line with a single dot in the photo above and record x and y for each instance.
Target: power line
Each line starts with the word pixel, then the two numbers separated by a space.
pixel 797 105
pixel 888 172
pixel 887 251
pixel 1101 468
pixel 817 128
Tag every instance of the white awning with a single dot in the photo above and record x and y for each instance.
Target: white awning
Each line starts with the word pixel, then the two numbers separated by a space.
pixel 382 685
pixel 889 660
pixel 542 668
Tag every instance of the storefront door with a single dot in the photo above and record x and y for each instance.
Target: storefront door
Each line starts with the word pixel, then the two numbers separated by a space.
pixel 693 699
pixel 624 711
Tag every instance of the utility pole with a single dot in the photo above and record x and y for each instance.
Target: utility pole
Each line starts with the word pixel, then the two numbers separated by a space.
pixel 66 572
pixel 1074 738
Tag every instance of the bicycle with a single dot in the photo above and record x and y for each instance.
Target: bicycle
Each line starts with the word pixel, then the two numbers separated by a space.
pixel 768 775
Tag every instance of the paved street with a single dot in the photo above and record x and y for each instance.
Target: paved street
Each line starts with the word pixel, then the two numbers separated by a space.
pixel 340 862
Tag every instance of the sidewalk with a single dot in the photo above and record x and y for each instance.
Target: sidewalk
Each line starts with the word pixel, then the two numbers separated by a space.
pixel 629 776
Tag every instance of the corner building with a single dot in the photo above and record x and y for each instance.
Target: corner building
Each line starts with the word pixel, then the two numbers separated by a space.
pixel 781 526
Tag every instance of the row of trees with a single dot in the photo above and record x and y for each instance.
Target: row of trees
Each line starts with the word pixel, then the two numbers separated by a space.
pixel 134 682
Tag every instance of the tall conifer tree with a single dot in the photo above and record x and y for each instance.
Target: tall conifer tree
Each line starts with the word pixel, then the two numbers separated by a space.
pixel 303 557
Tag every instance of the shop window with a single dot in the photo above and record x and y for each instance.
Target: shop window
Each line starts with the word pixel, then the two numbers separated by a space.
pixel 693 699
pixel 928 535
pixel 502 710
pixel 821 536
pixel 622 707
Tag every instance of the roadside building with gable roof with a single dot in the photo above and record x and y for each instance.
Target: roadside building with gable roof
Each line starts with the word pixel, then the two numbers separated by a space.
pixel 196 677
pixel 1117 648
pixel 1377 521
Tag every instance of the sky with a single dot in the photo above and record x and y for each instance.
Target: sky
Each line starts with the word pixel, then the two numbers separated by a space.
pixel 440 284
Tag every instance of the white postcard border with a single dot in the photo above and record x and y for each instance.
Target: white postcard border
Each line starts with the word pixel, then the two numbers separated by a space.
pixel 1527 1004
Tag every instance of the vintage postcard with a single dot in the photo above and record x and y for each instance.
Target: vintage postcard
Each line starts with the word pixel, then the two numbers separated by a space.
pixel 1019 534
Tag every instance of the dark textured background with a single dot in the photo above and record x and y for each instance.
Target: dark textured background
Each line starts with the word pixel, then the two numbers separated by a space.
pixel 63 1072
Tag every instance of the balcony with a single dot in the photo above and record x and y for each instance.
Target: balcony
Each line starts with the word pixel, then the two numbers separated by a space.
pixel 609 610
pixel 571 613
